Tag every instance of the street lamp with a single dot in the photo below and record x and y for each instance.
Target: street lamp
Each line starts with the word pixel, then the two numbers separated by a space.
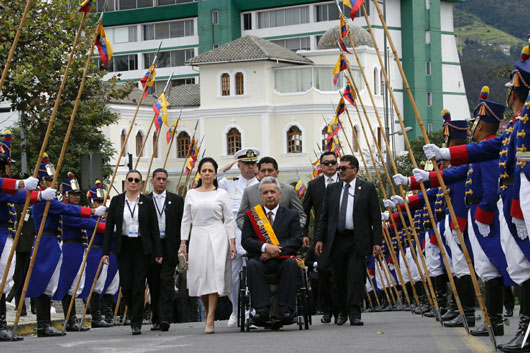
pixel 400 132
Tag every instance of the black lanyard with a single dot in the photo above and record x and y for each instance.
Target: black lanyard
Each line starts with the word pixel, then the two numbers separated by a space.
pixel 129 207
pixel 157 209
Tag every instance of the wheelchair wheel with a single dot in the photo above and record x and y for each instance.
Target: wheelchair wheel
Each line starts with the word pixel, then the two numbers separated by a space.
pixel 243 300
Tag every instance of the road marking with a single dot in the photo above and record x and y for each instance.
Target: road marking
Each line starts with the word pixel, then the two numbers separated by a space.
pixel 474 343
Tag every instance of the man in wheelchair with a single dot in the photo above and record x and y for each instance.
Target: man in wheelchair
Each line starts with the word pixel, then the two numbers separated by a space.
pixel 272 236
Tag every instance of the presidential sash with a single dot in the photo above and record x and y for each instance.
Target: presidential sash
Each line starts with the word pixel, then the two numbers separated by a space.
pixel 265 233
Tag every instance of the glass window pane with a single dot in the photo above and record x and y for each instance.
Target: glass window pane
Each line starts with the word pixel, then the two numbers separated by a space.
pixel 324 79
pixel 247 21
pixel 149 32
pixel 321 11
pixel 188 28
pixel 190 53
pixel 148 59
pixel 177 29
pixel 127 4
pixel 121 35
pixel 177 58
pixel 164 59
pixel 263 20
pixel 162 30
pixel 304 14
pixel 133 34
pixel 165 2
pixel 145 3
pixel 333 12
pixel 121 62
pixel 133 62
pixel 305 43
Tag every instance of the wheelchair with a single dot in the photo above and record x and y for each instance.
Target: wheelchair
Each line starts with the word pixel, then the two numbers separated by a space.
pixel 302 315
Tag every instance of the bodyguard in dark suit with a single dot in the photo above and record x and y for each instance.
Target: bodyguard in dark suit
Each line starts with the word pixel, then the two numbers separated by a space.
pixel 132 230
pixel 267 258
pixel 313 199
pixel 161 277
pixel 349 229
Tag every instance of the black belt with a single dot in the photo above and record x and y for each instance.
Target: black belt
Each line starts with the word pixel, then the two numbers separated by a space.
pixel 346 233
pixel 74 241
pixel 48 232
pixel 506 181
pixel 427 225
pixel 440 217
pixel 6 225
pixel 97 245
pixel 473 200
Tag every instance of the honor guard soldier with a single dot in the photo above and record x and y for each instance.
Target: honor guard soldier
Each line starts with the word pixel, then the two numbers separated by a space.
pixel 45 276
pixel 95 198
pixel 246 162
pixel 9 195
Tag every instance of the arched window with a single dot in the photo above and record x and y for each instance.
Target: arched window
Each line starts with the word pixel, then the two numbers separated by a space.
pixel 379 136
pixel 123 137
pixel 225 84
pixel 240 89
pixel 233 141
pixel 183 144
pixel 139 143
pixel 376 81
pixel 324 141
pixel 383 85
pixel 155 145
pixel 294 140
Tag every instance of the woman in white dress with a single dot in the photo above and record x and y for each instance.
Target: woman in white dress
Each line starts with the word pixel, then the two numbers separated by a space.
pixel 208 212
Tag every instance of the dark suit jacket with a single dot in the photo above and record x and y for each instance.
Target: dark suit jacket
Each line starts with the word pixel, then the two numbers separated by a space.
pixel 148 226
pixel 366 218
pixel 314 197
pixel 174 210
pixel 252 197
pixel 286 226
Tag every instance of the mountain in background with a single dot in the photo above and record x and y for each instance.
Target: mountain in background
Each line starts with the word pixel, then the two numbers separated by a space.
pixel 490 36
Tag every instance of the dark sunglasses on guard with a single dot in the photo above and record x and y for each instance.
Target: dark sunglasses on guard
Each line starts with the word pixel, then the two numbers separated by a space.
pixel 328 163
pixel 136 180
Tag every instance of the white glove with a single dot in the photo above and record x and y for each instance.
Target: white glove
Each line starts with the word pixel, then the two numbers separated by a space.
pixel 420 175
pixel 455 237
pixel 400 179
pixel 47 195
pixel 432 151
pixel 100 211
pixel 520 224
pixel 398 200
pixel 315 266
pixel 483 229
pixel 384 216
pixel 31 183
pixel 388 203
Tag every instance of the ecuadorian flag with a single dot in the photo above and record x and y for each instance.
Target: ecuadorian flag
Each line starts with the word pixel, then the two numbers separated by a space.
pixel 104 48
pixel 160 109
pixel 339 67
pixel 300 188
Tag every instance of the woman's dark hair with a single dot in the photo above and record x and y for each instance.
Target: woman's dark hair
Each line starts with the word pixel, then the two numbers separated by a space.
pixel 133 171
pixel 215 167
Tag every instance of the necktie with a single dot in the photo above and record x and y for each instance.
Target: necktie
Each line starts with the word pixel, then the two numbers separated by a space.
pixel 270 216
pixel 342 212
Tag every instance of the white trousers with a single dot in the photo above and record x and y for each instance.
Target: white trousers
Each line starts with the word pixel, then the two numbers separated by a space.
pixel 3 264
pixel 483 266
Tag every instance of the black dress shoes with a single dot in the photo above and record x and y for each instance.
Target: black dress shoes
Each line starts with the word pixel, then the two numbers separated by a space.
pixel 287 318
pixel 325 319
pixel 356 322
pixel 508 313
pixel 261 318
pixel 341 319
pixel 164 326
pixel 136 330
pixel 156 326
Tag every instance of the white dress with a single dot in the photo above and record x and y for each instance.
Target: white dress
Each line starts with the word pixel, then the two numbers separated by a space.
pixel 209 266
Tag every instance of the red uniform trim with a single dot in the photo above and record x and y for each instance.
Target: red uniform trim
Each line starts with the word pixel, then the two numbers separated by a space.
pixel 414 185
pixel 86 212
pixel 34 197
pixel 484 216
pixel 434 179
pixel 8 186
pixel 101 228
pixel 462 223
pixel 459 155
pixel 516 211
pixel 414 201
pixel 433 239
pixel 371 272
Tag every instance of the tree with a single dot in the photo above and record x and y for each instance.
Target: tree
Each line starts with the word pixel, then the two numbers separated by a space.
pixel 35 77
pixel 404 163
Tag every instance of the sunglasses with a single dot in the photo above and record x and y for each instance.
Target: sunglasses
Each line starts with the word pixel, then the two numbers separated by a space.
pixel 136 180
pixel 343 168
pixel 328 163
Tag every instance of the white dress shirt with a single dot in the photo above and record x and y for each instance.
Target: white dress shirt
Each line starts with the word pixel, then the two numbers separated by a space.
pixel 273 218
pixel 130 227
pixel 160 205
pixel 329 180
pixel 349 208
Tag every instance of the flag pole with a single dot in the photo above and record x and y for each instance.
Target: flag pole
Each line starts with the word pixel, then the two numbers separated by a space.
pixel 107 193
pixel 369 299
pixel 187 156
pixel 172 138
pixel 439 177
pixel 199 145
pixel 35 174
pixel 389 276
pixel 90 293
pixel 430 290
pixel 373 287
pixel 149 134
pixel 14 44
pixel 383 282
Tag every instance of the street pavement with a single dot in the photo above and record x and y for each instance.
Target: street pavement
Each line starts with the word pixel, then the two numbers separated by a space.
pixel 382 332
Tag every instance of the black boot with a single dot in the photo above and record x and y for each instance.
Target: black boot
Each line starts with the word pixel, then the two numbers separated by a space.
pixel 466 293
pixel 5 335
pixel 424 305
pixel 494 301
pixel 514 345
pixel 108 311
pixel 97 321
pixel 71 324
pixel 452 308
pixel 44 328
